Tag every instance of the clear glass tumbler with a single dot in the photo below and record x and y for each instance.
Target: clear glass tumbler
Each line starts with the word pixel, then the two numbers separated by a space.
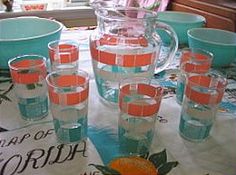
pixel 28 74
pixel 139 102
pixel 68 94
pixel 192 61
pixel 64 54
pixel 203 95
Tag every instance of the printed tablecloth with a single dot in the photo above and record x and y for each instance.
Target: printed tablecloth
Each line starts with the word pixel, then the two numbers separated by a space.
pixel 215 156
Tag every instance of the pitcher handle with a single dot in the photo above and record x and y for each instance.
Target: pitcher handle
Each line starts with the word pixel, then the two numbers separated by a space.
pixel 172 49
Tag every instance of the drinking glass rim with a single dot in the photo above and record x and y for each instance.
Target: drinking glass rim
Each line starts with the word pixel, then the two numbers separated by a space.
pixel 64 41
pixel 219 83
pixel 38 57
pixel 85 76
pixel 138 80
pixel 199 51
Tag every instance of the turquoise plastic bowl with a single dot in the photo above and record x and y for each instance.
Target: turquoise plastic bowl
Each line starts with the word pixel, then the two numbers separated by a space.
pixel 26 35
pixel 181 22
pixel 221 43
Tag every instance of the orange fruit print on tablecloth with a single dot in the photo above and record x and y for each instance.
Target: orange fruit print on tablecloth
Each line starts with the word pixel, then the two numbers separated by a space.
pixel 133 166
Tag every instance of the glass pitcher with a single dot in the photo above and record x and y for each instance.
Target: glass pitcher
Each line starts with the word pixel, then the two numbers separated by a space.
pixel 126 44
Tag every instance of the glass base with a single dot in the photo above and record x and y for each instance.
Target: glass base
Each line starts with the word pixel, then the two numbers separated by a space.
pixel 33 109
pixel 68 132
pixel 194 130
pixel 193 140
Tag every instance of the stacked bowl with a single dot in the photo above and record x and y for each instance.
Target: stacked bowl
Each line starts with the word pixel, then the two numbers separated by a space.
pixel 192 32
